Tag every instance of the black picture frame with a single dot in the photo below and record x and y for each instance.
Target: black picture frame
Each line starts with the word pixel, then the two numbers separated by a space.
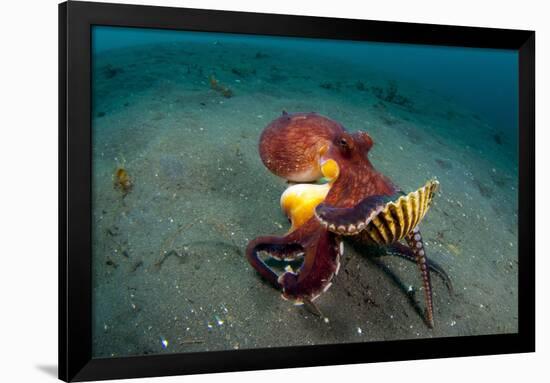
pixel 75 274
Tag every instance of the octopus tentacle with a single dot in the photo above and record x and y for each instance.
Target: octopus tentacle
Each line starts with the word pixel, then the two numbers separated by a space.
pixel 321 249
pixel 320 266
pixel 405 252
pixel 276 247
pixel 350 221
pixel 414 240
pixel 382 219
pixel 404 288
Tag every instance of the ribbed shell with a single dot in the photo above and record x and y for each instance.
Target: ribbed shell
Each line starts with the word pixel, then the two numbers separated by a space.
pixel 399 218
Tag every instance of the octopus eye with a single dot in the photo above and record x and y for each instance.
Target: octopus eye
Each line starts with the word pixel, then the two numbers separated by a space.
pixel 343 142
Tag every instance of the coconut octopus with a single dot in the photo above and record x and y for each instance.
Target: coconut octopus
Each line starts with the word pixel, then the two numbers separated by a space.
pixel 337 194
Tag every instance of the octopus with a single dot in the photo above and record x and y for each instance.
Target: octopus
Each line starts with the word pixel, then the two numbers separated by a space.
pixel 336 194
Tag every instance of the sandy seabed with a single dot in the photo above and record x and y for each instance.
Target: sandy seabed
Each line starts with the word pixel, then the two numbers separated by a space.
pixel 169 271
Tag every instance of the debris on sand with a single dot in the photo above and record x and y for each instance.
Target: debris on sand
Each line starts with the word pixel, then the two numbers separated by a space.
pixel 122 181
pixel 223 90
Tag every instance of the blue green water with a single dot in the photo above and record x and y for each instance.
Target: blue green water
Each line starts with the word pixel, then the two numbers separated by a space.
pixel 169 270
pixel 484 80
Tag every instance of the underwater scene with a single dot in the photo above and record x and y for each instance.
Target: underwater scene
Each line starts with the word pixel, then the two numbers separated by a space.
pixel 256 191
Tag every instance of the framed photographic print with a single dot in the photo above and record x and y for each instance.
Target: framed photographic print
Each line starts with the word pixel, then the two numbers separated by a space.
pixel 248 191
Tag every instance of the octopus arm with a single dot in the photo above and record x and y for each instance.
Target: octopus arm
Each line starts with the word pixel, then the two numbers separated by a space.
pixel 279 248
pixel 320 266
pixel 400 250
pixel 352 220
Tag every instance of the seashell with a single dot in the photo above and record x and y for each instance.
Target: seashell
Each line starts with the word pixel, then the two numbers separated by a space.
pixel 398 218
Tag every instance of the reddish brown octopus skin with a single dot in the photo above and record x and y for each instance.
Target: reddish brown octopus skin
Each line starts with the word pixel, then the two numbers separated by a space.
pixel 321 250
pixel 289 147
pixel 292 147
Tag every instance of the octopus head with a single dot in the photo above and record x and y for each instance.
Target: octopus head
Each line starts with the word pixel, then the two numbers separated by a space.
pixel 348 149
